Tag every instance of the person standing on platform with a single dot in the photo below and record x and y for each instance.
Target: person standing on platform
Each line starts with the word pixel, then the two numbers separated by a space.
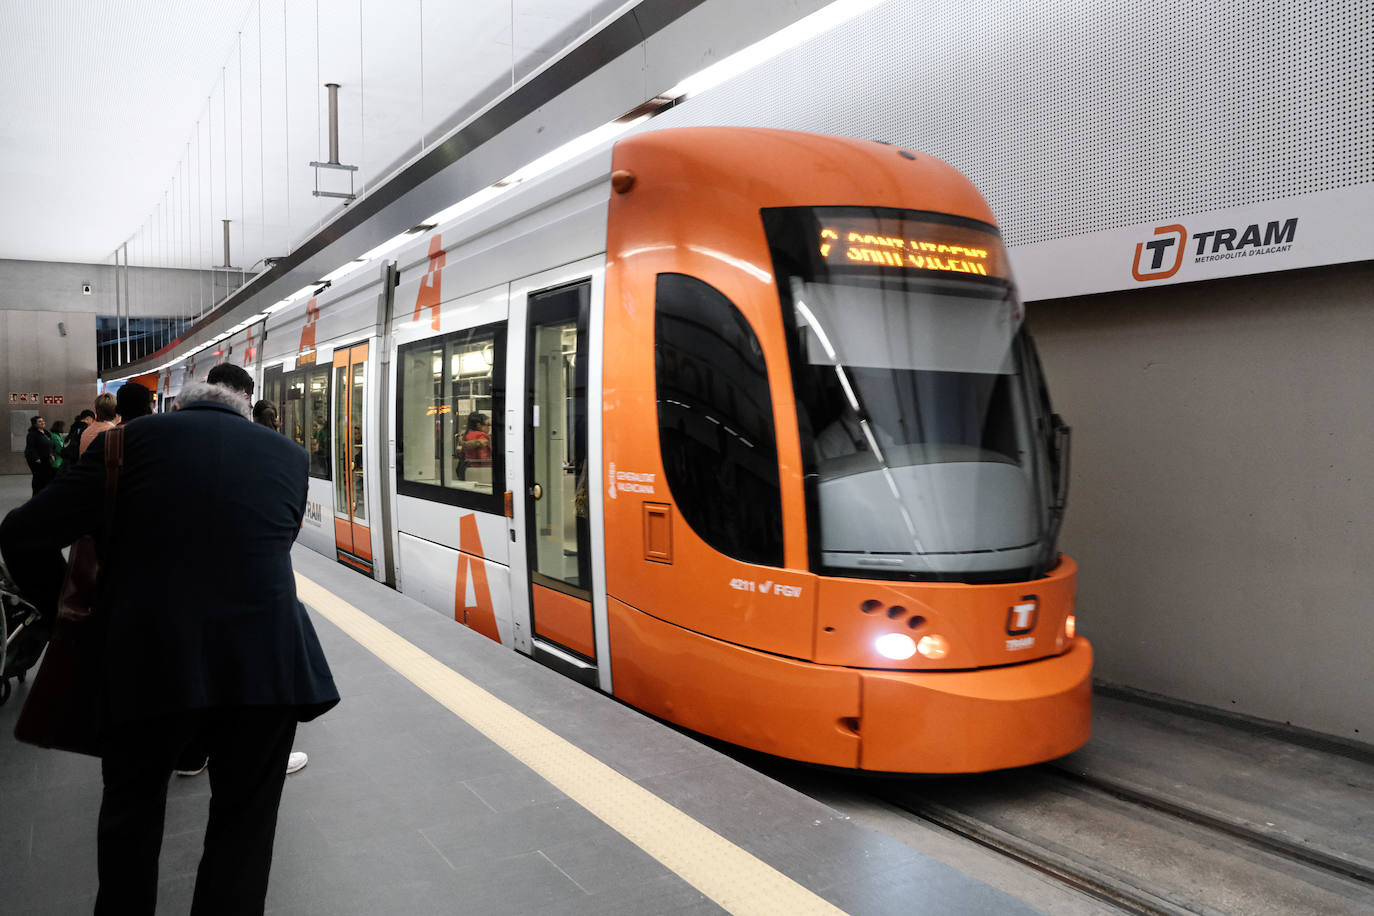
pixel 205 636
pixel 195 757
pixel 72 450
pixel 58 434
pixel 265 414
pixel 133 401
pixel 38 454
pixel 106 417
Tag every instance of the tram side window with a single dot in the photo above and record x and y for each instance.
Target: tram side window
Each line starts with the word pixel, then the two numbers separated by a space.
pixel 315 419
pixel 302 399
pixel 715 421
pixel 450 404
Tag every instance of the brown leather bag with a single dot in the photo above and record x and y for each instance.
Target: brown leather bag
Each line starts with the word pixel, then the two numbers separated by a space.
pixel 64 707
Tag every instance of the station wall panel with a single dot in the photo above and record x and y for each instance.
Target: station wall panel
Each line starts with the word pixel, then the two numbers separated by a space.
pixel 1220 508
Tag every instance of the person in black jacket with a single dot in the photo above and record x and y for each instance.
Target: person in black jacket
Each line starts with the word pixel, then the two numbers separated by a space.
pixel 133 400
pixel 71 452
pixel 205 637
pixel 38 453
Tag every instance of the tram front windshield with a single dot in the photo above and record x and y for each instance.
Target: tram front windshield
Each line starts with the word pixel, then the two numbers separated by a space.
pixel 918 417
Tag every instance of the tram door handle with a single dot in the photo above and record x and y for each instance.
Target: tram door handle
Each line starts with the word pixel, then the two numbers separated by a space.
pixel 536 491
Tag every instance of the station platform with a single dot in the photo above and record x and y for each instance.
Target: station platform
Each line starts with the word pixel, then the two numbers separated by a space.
pixel 459 776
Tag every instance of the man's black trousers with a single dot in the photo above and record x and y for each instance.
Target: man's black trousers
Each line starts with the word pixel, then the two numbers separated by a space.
pixel 248 747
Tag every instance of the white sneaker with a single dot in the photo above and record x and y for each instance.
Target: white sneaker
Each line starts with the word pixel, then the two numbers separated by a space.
pixel 201 769
pixel 296 762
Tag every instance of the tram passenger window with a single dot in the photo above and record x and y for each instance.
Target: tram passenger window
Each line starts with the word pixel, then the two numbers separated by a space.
pixel 715 421
pixel 302 399
pixel 315 420
pixel 272 392
pixel 468 433
pixel 422 389
pixel 450 405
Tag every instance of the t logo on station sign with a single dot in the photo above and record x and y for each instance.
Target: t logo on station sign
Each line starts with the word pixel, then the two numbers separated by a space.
pixel 1166 254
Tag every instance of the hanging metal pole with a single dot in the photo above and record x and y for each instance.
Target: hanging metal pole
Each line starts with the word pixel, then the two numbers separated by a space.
pixel 227 264
pixel 128 306
pixel 118 306
pixel 333 122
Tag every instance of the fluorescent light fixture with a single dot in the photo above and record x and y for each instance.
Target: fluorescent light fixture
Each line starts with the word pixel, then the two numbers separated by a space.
pixel 397 241
pixel 545 163
pixel 819 22
pixel 298 294
pixel 570 150
pixel 343 271
pixel 471 202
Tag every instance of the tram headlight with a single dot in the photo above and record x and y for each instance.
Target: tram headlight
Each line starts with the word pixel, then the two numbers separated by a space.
pixel 896 646
pixel 1070 626
pixel 933 647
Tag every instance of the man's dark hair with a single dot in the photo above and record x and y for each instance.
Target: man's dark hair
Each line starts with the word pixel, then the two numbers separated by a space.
pixel 230 376
pixel 85 415
pixel 33 422
pixel 132 401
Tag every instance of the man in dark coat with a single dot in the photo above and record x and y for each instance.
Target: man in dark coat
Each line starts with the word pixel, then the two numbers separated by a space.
pixel 38 453
pixel 206 638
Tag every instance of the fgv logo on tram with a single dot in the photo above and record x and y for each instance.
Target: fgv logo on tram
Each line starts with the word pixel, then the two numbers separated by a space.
pixel 1168 247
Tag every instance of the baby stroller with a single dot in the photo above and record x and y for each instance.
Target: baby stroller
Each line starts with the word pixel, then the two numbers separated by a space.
pixel 23 634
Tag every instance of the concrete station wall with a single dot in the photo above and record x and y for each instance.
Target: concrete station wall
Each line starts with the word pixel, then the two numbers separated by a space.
pixel 154 291
pixel 1221 506
pixel 48 337
pixel 38 357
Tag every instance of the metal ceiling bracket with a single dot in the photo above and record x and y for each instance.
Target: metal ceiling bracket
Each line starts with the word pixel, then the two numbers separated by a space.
pixel 333 162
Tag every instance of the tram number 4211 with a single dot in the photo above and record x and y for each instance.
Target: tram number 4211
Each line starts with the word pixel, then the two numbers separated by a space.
pixel 768 587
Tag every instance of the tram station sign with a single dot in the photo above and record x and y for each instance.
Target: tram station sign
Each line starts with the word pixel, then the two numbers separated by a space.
pixel 1310 230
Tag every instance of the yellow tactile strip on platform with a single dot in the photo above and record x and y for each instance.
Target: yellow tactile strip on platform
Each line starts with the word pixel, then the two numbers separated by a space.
pixel 736 880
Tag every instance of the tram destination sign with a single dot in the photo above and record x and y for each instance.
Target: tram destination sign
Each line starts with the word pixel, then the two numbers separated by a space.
pixel 905 244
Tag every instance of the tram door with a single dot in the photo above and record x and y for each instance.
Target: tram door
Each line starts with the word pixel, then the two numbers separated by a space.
pixel 352 529
pixel 558 532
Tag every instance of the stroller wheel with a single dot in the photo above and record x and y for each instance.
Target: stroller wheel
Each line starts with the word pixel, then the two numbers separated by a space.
pixel 5 689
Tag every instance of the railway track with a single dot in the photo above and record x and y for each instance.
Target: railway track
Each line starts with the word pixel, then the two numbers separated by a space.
pixel 1136 851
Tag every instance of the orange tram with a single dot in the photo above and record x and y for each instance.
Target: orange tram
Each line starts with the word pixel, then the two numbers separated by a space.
pixel 764 448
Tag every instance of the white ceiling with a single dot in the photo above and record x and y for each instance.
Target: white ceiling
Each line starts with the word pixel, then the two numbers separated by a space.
pixel 149 121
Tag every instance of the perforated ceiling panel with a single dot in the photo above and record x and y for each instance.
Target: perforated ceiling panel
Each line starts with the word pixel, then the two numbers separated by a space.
pixel 1074 117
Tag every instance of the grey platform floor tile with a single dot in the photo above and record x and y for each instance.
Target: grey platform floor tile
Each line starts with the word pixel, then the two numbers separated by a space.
pixel 736 802
pixel 519 787
pixel 666 895
pixel 60 769
pixel 187 806
pixel 494 836
pixel 57 882
pixel 519 885
pixel 175 892
pixel 67 906
pixel 180 854
pixel 331 891
pixel 606 866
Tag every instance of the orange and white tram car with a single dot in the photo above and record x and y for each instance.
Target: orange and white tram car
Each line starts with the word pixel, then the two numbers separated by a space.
pixel 769 453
